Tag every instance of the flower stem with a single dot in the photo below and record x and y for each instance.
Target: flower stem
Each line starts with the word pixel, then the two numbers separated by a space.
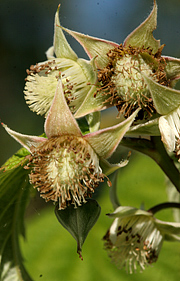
pixel 155 149
pixel 113 191
pixel 162 206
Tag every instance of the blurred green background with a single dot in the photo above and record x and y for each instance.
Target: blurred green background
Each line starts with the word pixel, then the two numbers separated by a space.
pixel 26 30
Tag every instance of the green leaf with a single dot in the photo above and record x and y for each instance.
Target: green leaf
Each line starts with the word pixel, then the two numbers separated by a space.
pixel 79 221
pixel 14 195
pixel 17 159
pixel 83 125
pixel 142 35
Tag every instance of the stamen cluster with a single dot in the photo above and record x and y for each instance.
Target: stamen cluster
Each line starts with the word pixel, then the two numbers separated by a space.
pixel 65 168
pixel 123 82
pixel 42 80
pixel 133 242
pixel 177 150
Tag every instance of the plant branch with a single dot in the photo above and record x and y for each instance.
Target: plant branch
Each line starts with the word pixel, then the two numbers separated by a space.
pixel 162 206
pixel 155 149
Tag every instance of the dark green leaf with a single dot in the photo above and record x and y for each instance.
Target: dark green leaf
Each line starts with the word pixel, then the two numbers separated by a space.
pixel 79 221
pixel 14 195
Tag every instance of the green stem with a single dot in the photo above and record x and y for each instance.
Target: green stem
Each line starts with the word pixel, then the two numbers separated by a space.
pixel 154 148
pixel 113 191
pixel 162 206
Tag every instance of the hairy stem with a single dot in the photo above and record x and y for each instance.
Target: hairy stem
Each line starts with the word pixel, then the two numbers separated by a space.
pixel 154 148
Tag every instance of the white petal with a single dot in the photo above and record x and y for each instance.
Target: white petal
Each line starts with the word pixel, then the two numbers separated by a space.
pixel 167 134
pixel 50 53
pixel 169 126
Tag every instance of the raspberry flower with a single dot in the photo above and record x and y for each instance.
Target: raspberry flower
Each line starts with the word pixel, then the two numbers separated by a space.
pixel 135 238
pixel 77 75
pixel 67 166
pixel 135 74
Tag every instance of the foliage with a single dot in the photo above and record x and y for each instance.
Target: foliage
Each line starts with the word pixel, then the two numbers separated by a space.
pixel 14 196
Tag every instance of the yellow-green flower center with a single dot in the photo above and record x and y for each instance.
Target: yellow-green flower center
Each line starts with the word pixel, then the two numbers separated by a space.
pixel 122 80
pixel 129 80
pixel 65 168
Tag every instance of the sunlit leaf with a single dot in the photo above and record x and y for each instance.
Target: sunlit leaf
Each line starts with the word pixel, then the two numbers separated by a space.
pixel 17 159
pixel 14 195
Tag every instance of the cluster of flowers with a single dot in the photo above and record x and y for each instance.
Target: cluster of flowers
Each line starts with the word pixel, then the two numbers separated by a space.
pixel 65 165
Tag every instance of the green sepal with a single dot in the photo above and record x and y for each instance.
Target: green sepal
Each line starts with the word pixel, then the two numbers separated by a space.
pixel 165 99
pixel 105 141
pixel 62 48
pixel 128 211
pixel 79 221
pixel 171 238
pixel 108 168
pixel 14 196
pixel 168 227
pixel 92 103
pixel 151 61
pixel 172 69
pixel 60 120
pixel 113 191
pixel 150 128
pixel 89 69
pixel 142 35
pixel 94 47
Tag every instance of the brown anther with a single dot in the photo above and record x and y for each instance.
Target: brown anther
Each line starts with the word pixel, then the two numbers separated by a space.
pixel 107 87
